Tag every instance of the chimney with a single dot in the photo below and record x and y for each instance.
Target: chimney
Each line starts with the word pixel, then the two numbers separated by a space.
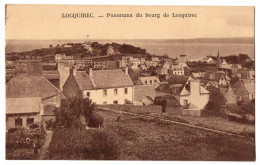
pixel 126 70
pixel 90 72
pixel 195 92
pixel 195 87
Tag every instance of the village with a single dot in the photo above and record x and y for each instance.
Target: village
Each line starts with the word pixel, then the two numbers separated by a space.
pixel 216 92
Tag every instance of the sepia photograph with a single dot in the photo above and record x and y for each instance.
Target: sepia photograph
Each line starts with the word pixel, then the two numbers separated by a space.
pixel 125 82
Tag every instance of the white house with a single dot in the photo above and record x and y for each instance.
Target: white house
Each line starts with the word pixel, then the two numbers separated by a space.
pixel 150 80
pixel 101 86
pixel 187 91
pixel 176 70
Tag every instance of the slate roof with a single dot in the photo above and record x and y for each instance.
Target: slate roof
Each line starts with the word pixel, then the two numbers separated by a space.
pixel 111 79
pixel 229 95
pixel 30 86
pixel 250 87
pixel 142 91
pixel 23 105
pixel 216 76
pixel 103 79
pixel 176 80
pixel 83 80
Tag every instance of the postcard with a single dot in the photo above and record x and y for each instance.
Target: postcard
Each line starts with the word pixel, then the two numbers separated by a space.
pixel 107 82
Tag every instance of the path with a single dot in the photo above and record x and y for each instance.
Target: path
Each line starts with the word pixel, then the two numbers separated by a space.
pixel 46 145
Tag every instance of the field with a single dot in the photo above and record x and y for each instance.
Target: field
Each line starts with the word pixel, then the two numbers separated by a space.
pixel 151 140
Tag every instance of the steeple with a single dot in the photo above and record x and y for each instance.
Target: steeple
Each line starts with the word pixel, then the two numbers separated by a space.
pixel 218 60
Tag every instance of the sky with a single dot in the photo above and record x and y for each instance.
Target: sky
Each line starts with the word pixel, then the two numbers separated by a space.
pixel 46 22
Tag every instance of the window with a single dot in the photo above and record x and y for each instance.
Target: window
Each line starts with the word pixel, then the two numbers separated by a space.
pixel 151 81
pixel 115 102
pixel 105 92
pixel 30 121
pixel 145 82
pixel 18 122
pixel 88 94
pixel 126 90
pixel 104 102
pixel 115 91
pixel 185 102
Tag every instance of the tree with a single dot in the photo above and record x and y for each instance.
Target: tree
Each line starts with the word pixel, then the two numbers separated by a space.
pixel 216 100
pixel 76 112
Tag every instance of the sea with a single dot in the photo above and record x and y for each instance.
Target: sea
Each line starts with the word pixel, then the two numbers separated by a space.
pixel 192 50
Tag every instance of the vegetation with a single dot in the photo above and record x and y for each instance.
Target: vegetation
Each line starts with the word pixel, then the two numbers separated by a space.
pixel 77 143
pixel 72 111
pixel 20 142
pixel 216 100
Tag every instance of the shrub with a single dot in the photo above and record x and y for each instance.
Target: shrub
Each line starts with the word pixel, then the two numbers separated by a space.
pixel 12 130
pixel 96 120
pixel 33 126
pixel 103 146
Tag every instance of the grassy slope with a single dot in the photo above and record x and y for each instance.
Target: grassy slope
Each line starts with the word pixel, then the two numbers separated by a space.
pixel 142 140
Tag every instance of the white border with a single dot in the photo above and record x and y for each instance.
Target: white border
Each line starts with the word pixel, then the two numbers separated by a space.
pixel 119 2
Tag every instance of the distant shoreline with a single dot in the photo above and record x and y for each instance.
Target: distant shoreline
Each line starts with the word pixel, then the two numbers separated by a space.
pixel 238 40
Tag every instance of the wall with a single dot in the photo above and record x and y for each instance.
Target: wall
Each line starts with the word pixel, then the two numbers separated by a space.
pixel 55 100
pixel 98 97
pixel 64 74
pixel 182 98
pixel 190 112
pixel 70 87
pixel 10 121
pixel 136 108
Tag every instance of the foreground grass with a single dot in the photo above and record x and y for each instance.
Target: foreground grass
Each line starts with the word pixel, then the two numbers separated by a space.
pixel 142 140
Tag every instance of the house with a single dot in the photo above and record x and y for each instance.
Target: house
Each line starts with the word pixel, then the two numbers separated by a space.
pixel 101 86
pixel 209 85
pixel 141 97
pixel 167 61
pixel 149 80
pixel 209 60
pixel 88 47
pixel 162 71
pixel 142 60
pixel 99 64
pixel 229 95
pixel 111 64
pixel 123 63
pixel 135 62
pixel 110 50
pixel 24 111
pixel 198 74
pixel 246 75
pixel 143 67
pixel 245 92
pixel 148 63
pixel 176 70
pixel 220 77
pixel 28 85
pixel 24 86
pixel 187 91
pixel 155 61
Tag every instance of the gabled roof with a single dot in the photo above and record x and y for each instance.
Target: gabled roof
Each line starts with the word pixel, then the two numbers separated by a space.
pixel 111 79
pixel 103 79
pixel 250 87
pixel 214 76
pixel 83 80
pixel 174 80
pixel 23 105
pixel 142 91
pixel 30 86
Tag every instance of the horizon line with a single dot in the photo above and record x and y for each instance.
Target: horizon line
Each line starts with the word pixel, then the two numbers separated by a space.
pixel 135 39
